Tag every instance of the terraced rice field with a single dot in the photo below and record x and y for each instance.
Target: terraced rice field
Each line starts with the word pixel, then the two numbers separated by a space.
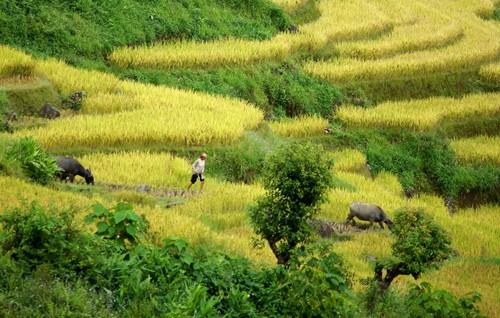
pixel 368 42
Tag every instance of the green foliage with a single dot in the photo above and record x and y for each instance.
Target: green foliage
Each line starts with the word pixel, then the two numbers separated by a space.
pixel 425 302
pixel 244 160
pixel 292 93
pixel 33 237
pixel 90 29
pixel 4 104
pixel 420 245
pixel 278 89
pixel 35 162
pixel 423 162
pixel 42 294
pixel 120 223
pixel 318 285
pixel 296 177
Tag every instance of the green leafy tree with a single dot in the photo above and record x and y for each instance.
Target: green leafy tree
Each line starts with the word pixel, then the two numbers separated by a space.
pixel 296 177
pixel 421 245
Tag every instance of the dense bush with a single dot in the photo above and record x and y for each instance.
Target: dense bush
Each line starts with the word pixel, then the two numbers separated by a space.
pixel 90 29
pixel 423 301
pixel 35 162
pixel 34 237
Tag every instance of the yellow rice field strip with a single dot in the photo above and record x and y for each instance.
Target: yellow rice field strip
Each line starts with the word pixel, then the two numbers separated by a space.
pixel 479 149
pixel 13 62
pixel 421 115
pixel 300 127
pixel 478 45
pixel 429 30
pixel 463 276
pixel 491 72
pixel 124 112
pixel 18 193
pixel 136 167
pixel 344 20
pixel 349 160
pixel 290 5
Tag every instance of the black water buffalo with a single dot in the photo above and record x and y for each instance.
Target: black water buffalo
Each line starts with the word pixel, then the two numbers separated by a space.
pixel 368 212
pixel 71 168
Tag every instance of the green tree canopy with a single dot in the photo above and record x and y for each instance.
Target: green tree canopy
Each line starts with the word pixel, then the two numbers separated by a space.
pixel 296 177
pixel 421 245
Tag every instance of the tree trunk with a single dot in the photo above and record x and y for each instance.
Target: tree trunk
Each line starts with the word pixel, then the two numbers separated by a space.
pixel 385 282
pixel 282 259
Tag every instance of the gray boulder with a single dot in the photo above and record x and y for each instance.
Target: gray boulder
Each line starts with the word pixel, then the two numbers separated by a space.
pixel 49 111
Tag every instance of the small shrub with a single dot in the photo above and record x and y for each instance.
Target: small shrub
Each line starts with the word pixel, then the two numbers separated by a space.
pixel 121 223
pixel 33 237
pixel 317 285
pixel 36 164
pixel 425 302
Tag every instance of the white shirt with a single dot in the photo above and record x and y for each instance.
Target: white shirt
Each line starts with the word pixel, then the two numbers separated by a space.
pixel 198 166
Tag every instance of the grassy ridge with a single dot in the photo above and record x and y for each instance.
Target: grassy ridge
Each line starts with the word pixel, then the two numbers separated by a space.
pixel 91 29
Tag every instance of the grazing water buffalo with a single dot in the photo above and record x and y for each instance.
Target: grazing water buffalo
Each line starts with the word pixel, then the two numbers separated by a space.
pixel 368 212
pixel 71 168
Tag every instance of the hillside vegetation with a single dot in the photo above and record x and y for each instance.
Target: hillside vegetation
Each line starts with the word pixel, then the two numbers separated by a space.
pixel 405 97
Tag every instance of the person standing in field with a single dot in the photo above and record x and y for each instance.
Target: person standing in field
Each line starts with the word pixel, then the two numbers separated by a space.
pixel 198 168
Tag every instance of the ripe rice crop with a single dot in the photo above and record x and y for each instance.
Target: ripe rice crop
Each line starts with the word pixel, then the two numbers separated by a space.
pixel 420 115
pixel 136 167
pixel 19 193
pixel 477 46
pixel 426 32
pixel 339 21
pixel 300 127
pixel 491 72
pixel 146 127
pixel 479 149
pixel 290 5
pixel 124 112
pixel 200 54
pixel 349 160
pixel 15 63
pixel 69 79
